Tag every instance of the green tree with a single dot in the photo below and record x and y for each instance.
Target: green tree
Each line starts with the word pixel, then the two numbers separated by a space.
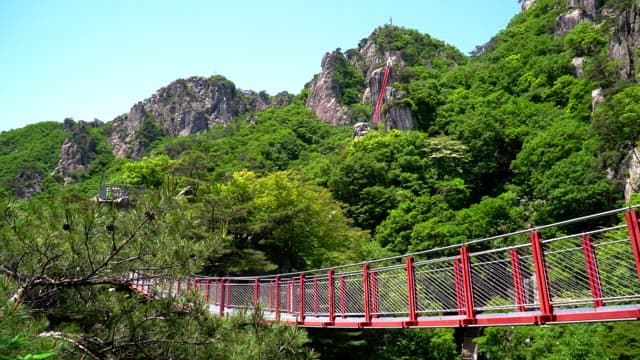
pixel 150 172
pixel 585 39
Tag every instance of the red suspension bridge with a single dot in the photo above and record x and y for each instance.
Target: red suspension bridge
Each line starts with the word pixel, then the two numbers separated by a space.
pixel 584 269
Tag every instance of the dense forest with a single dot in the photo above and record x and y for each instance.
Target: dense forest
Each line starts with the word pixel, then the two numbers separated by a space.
pixel 505 138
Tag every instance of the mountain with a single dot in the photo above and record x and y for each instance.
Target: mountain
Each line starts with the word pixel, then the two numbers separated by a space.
pixel 184 107
pixel 425 73
pixel 353 78
pixel 550 53
pixel 538 125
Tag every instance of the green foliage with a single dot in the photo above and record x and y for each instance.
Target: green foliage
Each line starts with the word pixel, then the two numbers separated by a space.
pixel 273 140
pixel 150 130
pixel 506 139
pixel 29 153
pixel 296 224
pixel 616 121
pixel 19 329
pixel 350 81
pixel 385 344
pixel 149 172
pixel 77 256
pixel 418 343
pixel 401 163
pixel 416 48
pixel 576 341
pixel 584 39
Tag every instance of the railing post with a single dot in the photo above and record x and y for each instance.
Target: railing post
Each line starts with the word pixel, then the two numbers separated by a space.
pixel 271 295
pixel 301 315
pixel 591 263
pixel 466 282
pixel 221 291
pixel 331 284
pixel 290 296
pixel 542 279
pixel 411 292
pixel 374 295
pixel 187 285
pixel 367 293
pixel 177 287
pixel 170 280
pixel 256 292
pixel 316 304
pixel 227 292
pixel 277 298
pixel 207 285
pixel 517 279
pixel 343 295
pixel 457 276
pixel 634 235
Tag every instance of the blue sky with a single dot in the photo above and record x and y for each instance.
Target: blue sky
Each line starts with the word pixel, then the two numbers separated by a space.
pixel 95 59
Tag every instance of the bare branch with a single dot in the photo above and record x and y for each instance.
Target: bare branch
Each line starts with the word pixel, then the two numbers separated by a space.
pixel 75 343
pixel 118 249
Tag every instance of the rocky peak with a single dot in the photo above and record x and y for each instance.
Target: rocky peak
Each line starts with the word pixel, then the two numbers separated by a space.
pixel 625 39
pixel 577 11
pixel 396 116
pixel 78 149
pixel 368 60
pixel 589 7
pixel 28 182
pixel 325 93
pixel 186 106
pixel 525 4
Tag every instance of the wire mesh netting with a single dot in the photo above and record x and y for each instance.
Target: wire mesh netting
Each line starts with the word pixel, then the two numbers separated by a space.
pixel 501 279
pixel 566 271
pixel 616 268
pixel 436 286
pixel 349 300
pixel 389 295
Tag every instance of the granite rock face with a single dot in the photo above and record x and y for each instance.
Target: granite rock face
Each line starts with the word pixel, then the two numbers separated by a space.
pixel 625 39
pixel 325 94
pixel 186 106
pixel 78 149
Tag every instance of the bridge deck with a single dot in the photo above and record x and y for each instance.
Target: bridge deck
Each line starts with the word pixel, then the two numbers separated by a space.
pixel 543 278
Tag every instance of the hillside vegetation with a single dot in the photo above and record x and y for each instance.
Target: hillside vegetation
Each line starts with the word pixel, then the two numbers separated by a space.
pixel 508 138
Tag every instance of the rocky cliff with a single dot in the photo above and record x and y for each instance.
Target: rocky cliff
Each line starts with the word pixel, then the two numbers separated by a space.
pixel 325 94
pixel 186 106
pixel 78 149
pixel 625 39
pixel 329 94
pixel 577 10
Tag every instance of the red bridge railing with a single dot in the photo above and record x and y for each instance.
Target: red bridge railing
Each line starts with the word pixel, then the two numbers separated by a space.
pixel 585 269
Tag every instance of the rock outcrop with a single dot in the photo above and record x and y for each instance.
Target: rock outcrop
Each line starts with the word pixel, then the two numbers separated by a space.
pixel 525 4
pixel 78 150
pixel 625 39
pixel 632 182
pixel 186 106
pixel 395 116
pixel 28 182
pixel 325 93
pixel 597 97
pixel 578 10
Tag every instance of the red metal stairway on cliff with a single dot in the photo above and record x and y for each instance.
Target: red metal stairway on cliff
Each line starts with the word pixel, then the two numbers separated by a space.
pixel 383 90
pixel 584 269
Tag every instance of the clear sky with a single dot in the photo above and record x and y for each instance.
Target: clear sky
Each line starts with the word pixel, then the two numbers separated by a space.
pixel 91 59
